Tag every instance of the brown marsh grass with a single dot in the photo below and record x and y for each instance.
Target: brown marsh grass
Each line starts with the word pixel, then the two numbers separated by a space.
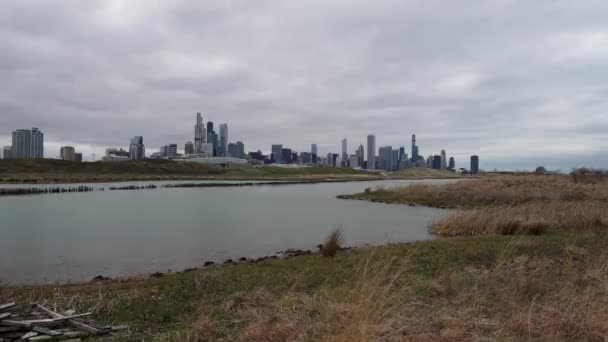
pixel 508 190
pixel 531 218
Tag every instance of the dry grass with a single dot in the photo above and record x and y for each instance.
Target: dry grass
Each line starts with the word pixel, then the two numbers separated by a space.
pixel 509 190
pixel 332 243
pixel 532 218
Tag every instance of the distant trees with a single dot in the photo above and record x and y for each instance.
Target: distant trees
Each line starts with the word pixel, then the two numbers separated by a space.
pixel 585 174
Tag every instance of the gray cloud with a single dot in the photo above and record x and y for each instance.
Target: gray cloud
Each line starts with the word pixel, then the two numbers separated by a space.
pixel 518 82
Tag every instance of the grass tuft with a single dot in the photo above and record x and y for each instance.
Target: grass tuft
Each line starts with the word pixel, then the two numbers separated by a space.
pixel 333 242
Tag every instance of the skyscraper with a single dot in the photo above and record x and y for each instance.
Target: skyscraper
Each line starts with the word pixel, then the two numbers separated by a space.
pixel 240 150
pixel 437 162
pixel 444 162
pixel 223 143
pixel 474 165
pixel 313 153
pixel 67 153
pixel 286 156
pixel 209 128
pixel 137 150
pixel 277 153
pixel 452 165
pixel 37 148
pixel 371 152
pixel 394 160
pixel 385 154
pixel 361 155
pixel 414 149
pixel 402 154
pixel 200 135
pixel 189 148
pixel 22 144
pixel 344 149
pixel 231 151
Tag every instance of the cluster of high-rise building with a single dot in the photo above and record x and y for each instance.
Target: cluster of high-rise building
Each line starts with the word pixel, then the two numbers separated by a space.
pixel 26 143
pixel 384 158
pixel 210 145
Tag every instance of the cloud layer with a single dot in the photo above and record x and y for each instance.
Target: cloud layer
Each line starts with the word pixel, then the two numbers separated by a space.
pixel 520 83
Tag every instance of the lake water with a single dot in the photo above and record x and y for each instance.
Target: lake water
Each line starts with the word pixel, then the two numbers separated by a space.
pixel 73 237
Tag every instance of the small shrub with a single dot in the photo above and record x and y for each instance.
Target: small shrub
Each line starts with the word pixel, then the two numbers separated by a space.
pixel 332 243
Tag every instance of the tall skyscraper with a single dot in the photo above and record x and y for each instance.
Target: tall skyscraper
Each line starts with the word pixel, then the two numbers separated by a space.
pixel 452 165
pixel 385 154
pixel 361 154
pixel 277 153
pixel 414 150
pixel 394 160
pixel 209 128
pixel 189 148
pixel 22 144
pixel 444 162
pixel 223 140
pixel 137 150
pixel 67 153
pixel 371 152
pixel 474 165
pixel 344 149
pixel 313 153
pixel 37 149
pixel 200 135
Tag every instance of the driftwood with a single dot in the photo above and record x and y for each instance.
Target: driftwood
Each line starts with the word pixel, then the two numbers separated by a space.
pixel 39 323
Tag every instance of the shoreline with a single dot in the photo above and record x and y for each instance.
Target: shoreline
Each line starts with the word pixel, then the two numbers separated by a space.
pixel 314 178
pixel 208 265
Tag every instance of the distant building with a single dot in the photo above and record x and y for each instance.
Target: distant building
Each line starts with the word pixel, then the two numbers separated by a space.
pixel 200 135
pixel 402 154
pixel 256 156
pixel 306 157
pixel 314 154
pixel 231 152
pixel 452 165
pixel 344 149
pixel 474 165
pixel 371 152
pixel 334 159
pixel 414 150
pixel 207 150
pixel 223 143
pixel 361 155
pixel 394 160
pixel 277 153
pixel 37 144
pixel 286 157
pixel 385 156
pixel 7 152
pixel 67 153
pixel 209 128
pixel 353 161
pixel 114 154
pixel 27 143
pixel 429 162
pixel 213 141
pixel 137 150
pixel 444 161
pixel 168 151
pixel 437 162
pixel 240 150
pixel 78 157
pixel 189 148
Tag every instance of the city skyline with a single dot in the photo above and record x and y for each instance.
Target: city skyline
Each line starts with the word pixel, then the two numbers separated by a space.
pixel 533 97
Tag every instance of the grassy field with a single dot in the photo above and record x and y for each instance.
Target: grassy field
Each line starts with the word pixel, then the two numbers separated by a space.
pixel 59 171
pixel 544 287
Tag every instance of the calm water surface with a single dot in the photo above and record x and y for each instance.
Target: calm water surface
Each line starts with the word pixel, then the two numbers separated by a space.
pixel 76 236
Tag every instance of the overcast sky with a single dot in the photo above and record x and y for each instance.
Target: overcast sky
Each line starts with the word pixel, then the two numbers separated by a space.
pixel 520 83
